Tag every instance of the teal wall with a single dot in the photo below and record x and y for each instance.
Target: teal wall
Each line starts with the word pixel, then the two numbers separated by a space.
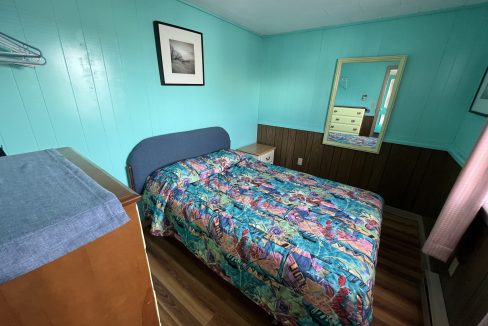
pixel 468 132
pixel 100 91
pixel 362 78
pixel 447 52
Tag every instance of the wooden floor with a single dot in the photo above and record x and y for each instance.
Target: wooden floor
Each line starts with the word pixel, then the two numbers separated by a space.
pixel 398 273
pixel 188 293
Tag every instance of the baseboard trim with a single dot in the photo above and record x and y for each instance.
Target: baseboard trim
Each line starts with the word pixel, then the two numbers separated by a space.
pixel 433 305
pixel 424 298
pixel 434 300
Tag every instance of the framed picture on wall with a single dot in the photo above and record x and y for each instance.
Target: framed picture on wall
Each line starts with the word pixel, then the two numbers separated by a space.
pixel 480 101
pixel 180 55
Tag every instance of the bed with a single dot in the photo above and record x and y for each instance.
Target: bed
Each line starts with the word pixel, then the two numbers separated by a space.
pixel 301 247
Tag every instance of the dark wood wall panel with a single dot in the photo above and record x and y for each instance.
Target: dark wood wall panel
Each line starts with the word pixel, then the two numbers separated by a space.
pixel 411 178
pixel 466 291
pixel 366 126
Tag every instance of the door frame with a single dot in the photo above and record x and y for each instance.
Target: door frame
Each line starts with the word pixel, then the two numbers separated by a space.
pixel 380 98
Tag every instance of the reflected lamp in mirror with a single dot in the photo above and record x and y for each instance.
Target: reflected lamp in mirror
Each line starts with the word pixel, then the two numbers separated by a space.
pixel 362 100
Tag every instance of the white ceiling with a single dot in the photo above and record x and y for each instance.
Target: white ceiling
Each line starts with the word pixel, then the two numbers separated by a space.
pixel 267 17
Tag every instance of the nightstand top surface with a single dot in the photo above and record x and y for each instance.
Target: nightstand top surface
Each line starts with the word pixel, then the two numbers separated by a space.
pixel 257 149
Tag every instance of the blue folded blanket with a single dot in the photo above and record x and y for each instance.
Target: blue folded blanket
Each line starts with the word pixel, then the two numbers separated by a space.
pixel 48 208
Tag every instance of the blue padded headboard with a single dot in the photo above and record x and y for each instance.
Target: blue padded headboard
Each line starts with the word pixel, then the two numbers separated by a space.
pixel 155 152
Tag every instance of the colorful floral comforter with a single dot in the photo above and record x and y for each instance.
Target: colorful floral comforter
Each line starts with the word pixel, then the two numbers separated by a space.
pixel 349 139
pixel 301 247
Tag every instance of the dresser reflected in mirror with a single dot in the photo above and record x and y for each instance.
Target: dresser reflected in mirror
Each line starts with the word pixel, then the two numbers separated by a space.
pixel 362 100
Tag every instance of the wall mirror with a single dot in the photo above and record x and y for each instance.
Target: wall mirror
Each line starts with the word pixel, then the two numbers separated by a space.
pixel 362 100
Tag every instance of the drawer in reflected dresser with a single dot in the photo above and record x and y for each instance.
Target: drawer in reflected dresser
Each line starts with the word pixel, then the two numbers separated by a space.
pixel 350 112
pixel 347 120
pixel 341 127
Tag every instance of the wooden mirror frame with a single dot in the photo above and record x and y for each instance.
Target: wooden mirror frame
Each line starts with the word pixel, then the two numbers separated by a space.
pixel 402 60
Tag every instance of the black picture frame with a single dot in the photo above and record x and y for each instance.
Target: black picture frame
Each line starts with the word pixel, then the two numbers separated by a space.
pixel 476 95
pixel 162 61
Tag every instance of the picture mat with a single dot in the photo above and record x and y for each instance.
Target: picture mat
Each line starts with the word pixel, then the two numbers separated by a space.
pixel 165 34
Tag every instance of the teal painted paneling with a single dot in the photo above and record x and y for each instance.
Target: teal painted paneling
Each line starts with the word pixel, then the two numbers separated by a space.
pixel 100 91
pixel 471 124
pixel 468 134
pixel 447 52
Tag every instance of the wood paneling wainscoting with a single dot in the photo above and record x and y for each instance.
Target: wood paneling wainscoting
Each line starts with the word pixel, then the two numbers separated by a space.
pixel 466 291
pixel 366 126
pixel 410 178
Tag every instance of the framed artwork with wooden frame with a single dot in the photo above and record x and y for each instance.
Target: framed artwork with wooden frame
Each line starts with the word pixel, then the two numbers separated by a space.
pixel 479 105
pixel 180 55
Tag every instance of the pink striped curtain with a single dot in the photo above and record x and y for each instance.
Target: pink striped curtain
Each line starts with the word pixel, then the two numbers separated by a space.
pixel 467 196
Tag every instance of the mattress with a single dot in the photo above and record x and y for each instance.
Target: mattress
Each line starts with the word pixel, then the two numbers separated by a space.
pixel 301 247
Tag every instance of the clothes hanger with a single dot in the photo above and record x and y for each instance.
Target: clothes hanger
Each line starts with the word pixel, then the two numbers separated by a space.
pixel 13 51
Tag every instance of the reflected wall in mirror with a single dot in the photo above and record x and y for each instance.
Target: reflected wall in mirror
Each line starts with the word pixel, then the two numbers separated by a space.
pixel 362 100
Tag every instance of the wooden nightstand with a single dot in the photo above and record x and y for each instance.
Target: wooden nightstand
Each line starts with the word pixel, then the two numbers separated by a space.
pixel 264 153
